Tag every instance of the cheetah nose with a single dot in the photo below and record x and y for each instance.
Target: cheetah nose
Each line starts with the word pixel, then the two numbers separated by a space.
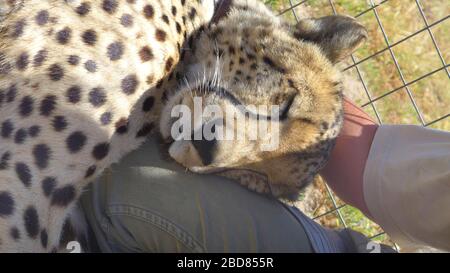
pixel 206 148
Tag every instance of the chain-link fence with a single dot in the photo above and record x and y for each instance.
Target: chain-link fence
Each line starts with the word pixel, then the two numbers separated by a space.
pixel 402 74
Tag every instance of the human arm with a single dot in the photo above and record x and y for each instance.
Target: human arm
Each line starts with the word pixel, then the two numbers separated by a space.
pixel 398 175
pixel 345 169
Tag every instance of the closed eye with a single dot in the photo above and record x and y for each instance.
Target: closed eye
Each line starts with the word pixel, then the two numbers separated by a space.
pixel 225 94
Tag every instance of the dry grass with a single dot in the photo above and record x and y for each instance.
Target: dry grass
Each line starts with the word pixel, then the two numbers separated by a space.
pixel 416 57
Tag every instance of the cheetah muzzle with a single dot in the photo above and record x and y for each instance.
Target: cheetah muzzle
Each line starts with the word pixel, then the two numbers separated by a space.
pixel 82 83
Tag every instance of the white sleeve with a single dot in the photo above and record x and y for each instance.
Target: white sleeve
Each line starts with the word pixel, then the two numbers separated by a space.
pixel 407 185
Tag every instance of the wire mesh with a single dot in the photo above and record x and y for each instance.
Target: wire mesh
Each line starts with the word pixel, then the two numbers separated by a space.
pixel 373 7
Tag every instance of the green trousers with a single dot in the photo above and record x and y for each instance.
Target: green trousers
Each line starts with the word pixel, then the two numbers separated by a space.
pixel 148 204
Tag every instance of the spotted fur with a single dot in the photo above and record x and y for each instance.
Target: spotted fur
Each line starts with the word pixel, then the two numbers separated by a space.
pixel 84 82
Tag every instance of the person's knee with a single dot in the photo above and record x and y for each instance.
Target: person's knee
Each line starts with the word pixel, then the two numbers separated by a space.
pixel 135 229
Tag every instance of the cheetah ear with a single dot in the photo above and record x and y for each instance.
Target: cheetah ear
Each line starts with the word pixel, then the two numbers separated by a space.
pixel 337 35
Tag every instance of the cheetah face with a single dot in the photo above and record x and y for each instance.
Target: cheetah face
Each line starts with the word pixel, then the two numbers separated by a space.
pixel 271 75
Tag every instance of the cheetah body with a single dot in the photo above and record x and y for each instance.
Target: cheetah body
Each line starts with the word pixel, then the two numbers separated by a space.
pixel 75 96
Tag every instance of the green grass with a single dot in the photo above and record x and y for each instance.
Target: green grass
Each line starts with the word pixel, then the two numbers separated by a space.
pixel 416 57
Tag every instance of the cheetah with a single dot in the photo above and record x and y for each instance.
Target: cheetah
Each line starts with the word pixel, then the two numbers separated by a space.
pixel 82 83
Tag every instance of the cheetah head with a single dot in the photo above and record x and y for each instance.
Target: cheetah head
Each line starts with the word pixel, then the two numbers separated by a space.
pixel 248 62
